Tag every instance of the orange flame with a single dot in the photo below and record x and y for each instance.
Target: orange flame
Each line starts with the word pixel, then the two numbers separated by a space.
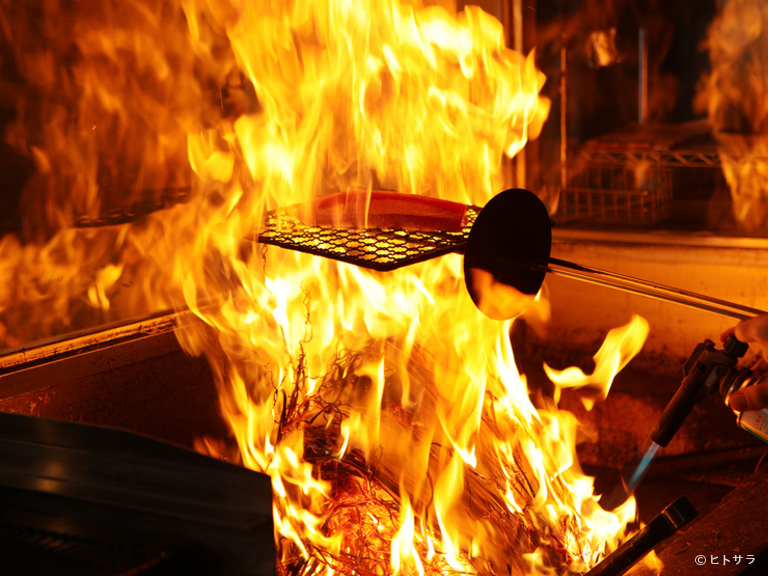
pixel 620 346
pixel 388 411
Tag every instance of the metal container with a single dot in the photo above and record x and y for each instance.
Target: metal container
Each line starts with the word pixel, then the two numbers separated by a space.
pixel 753 421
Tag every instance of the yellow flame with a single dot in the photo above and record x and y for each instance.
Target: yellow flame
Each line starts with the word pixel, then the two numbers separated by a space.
pixel 388 411
pixel 620 346
pixel 404 552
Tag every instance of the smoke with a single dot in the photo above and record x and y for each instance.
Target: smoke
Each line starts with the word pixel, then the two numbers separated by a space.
pixel 735 97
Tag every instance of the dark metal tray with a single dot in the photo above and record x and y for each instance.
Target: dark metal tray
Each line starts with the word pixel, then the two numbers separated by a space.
pixel 373 248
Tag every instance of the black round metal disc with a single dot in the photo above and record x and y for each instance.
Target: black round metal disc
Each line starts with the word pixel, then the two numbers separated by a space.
pixel 506 250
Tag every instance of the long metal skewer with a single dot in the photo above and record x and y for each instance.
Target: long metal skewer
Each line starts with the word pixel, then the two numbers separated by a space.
pixel 648 289
pixel 508 210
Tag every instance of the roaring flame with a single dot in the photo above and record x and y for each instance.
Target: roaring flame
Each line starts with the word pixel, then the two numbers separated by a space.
pixel 388 411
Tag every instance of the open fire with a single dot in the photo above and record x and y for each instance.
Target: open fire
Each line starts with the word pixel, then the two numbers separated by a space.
pixel 388 411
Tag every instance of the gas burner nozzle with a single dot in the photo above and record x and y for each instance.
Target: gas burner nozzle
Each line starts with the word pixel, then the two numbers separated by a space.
pixel 707 370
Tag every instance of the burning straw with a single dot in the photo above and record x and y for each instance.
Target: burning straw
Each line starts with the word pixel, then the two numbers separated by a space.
pixel 388 411
pixel 360 519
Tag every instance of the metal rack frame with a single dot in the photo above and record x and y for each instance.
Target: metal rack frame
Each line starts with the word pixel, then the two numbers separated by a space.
pixel 660 158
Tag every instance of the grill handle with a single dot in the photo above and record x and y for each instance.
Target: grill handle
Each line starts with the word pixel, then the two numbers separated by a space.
pixel 511 242
pixel 650 289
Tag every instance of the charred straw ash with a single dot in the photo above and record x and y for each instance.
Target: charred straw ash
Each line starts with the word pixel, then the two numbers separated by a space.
pixel 365 495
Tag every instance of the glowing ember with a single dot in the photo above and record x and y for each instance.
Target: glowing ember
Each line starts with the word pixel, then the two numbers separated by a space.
pixel 387 409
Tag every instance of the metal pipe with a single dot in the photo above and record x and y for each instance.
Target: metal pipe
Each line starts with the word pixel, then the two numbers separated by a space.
pixel 642 77
pixel 89 340
pixel 517 37
pixel 650 289
pixel 563 125
pixel 671 519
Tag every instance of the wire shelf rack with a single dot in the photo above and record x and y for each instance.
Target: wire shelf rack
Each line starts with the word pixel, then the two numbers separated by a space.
pixel 619 194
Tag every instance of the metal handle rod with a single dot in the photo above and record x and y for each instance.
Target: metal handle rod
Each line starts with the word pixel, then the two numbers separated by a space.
pixel 649 289
pixel 671 519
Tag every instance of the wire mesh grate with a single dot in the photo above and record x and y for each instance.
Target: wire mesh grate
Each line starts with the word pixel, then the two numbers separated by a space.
pixel 638 195
pixel 374 248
